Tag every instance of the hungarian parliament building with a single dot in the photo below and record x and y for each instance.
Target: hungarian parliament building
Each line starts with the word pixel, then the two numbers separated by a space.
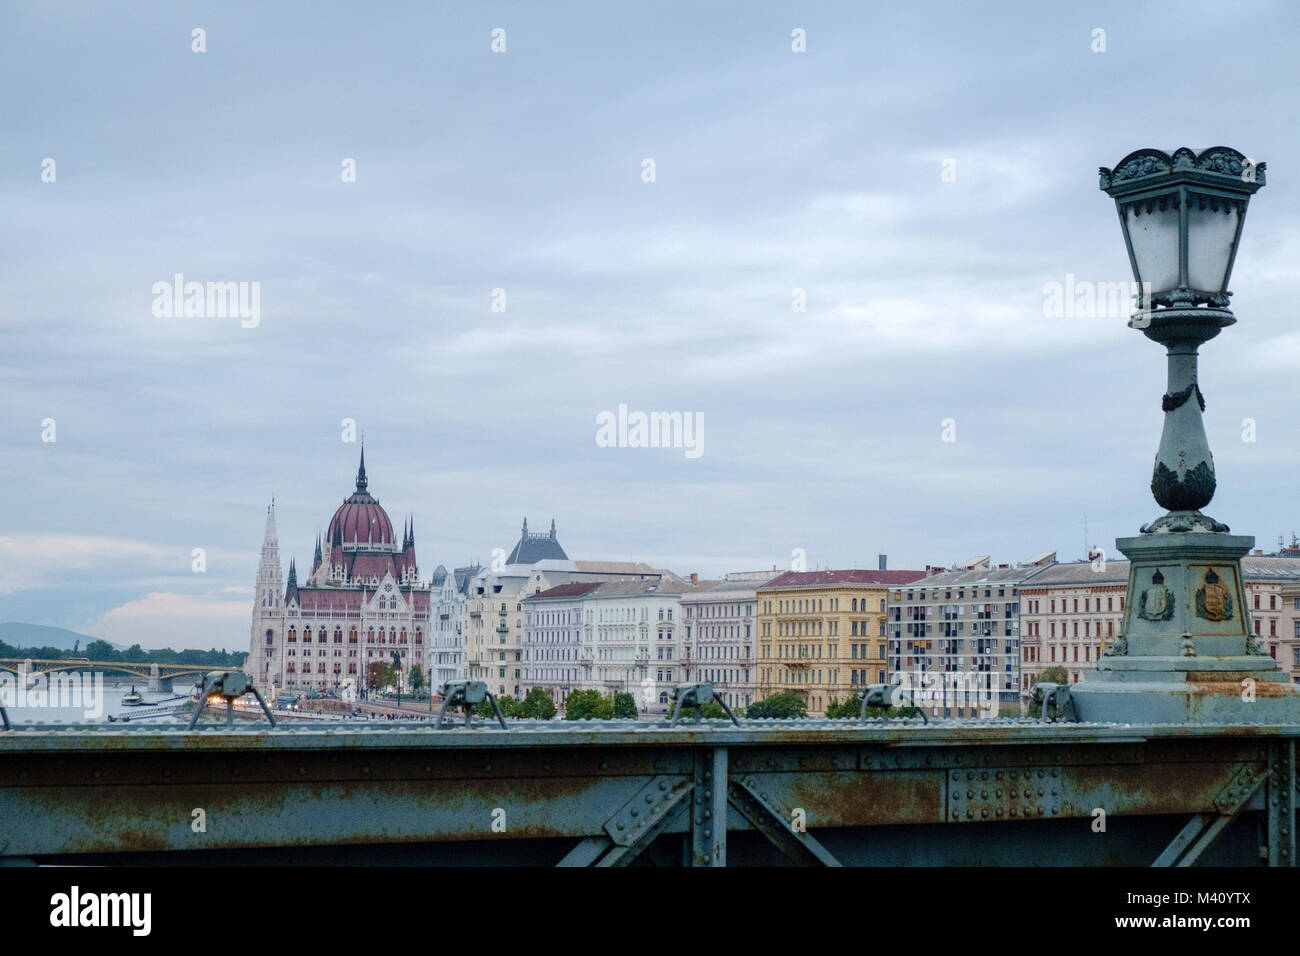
pixel 361 603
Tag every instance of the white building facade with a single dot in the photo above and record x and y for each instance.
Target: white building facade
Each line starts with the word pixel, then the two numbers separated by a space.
pixel 447 642
pixel 553 639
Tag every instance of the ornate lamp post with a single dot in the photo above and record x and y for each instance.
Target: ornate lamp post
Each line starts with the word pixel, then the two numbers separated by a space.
pixel 1186 652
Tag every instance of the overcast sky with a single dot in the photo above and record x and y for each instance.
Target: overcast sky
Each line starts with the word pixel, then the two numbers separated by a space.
pixel 523 171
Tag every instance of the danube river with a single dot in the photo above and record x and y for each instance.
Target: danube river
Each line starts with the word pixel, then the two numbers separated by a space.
pixel 95 697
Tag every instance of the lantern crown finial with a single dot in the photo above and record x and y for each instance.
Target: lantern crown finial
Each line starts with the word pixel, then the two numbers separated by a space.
pixel 1219 165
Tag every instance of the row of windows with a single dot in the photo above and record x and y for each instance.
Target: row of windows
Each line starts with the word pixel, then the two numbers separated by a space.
pixel 861 677
pixel 1035 629
pixel 1090 605
pixel 292 636
pixel 717 610
pixel 811 676
pixel 948 592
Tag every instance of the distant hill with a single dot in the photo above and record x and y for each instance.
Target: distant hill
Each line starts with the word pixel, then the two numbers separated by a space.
pixel 17 634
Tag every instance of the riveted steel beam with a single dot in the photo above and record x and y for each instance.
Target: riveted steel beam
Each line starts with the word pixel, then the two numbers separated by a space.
pixel 777 824
pixel 1203 829
pixel 587 851
pixel 1009 793
pixel 1281 803
pixel 709 809
pixel 636 824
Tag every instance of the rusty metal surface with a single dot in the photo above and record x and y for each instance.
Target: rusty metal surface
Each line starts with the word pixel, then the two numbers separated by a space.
pixel 803 733
pixel 83 789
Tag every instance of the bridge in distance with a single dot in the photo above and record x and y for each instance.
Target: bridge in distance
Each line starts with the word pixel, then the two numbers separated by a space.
pixel 159 675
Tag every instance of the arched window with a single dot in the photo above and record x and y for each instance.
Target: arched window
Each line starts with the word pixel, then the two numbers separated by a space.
pixel 370 636
pixel 352 635
pixel 270 637
pixel 338 635
pixel 293 636
pixel 855 604
pixel 306 635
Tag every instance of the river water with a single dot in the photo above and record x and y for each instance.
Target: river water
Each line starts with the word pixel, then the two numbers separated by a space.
pixel 95 697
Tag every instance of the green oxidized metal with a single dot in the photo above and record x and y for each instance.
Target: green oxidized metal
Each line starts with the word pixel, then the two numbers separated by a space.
pixel 1186 651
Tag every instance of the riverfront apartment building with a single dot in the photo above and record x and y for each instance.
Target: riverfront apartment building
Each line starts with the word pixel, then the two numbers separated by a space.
pixel 447 641
pixel 958 632
pixel 821 634
pixel 613 635
pixel 1272 584
pixel 553 646
pixel 1288 652
pixel 719 627
pixel 1070 614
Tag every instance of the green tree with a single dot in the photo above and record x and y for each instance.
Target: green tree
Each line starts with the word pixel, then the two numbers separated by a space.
pixel 711 710
pixel 416 678
pixel 537 704
pixel 851 708
pixel 102 651
pixel 786 704
pixel 509 707
pixel 382 674
pixel 588 704
pixel 623 706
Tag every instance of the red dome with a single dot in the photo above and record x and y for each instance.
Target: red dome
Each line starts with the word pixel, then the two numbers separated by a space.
pixel 362 521
pixel 360 518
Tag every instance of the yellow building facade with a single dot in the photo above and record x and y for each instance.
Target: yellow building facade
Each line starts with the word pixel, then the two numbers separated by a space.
pixel 821 634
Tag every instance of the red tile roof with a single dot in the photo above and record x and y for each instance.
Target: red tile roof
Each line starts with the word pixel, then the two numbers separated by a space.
pixel 813 579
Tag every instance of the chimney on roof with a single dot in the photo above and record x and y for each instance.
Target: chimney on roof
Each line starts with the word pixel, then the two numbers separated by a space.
pixel 884 562
pixel 1259 551
pixel 695 578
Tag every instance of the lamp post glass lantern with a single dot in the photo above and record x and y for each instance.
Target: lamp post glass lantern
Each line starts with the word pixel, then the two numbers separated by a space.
pixel 1185 651
pixel 1182 214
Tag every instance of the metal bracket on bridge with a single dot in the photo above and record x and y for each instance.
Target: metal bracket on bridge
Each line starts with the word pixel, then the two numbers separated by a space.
pixel 465 694
pixel 635 825
pixel 746 796
pixel 882 695
pixel 697 695
pixel 1054 700
pixel 230 685
pixel 1204 828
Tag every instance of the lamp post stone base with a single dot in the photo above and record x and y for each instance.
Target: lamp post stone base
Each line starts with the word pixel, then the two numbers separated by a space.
pixel 1186 651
